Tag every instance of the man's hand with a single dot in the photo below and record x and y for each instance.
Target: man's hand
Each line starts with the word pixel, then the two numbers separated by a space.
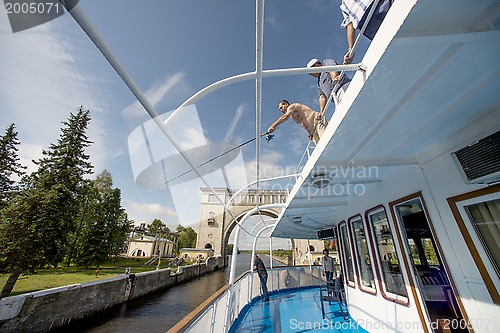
pixel 319 116
pixel 348 58
pixel 271 129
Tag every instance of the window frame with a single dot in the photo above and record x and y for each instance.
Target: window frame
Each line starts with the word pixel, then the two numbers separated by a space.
pixel 396 298
pixel 344 258
pixel 479 255
pixel 356 256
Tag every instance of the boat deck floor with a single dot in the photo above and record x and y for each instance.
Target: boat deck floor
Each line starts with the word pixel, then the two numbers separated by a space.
pixel 298 311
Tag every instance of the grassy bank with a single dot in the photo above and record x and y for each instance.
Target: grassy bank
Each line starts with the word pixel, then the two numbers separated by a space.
pixel 63 276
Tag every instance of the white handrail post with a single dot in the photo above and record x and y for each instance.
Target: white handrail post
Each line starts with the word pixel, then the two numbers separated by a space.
pixel 310 259
pixel 271 252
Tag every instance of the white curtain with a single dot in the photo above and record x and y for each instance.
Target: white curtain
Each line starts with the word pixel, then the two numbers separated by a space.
pixel 486 219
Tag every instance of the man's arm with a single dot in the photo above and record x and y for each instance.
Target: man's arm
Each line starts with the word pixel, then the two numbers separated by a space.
pixel 280 120
pixel 335 77
pixel 351 37
pixel 322 103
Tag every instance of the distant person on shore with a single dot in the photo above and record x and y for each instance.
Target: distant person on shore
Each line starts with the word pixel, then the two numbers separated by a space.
pixel 355 13
pixel 313 122
pixel 328 82
pixel 97 272
pixel 262 272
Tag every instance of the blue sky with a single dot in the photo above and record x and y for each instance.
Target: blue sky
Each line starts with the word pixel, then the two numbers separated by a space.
pixel 171 49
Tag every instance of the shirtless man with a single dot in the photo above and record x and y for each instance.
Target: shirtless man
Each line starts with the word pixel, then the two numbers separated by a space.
pixel 313 122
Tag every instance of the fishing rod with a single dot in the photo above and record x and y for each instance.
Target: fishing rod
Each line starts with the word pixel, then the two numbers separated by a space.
pixel 268 136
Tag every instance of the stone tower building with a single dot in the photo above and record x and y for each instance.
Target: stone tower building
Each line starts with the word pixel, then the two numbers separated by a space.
pixel 216 224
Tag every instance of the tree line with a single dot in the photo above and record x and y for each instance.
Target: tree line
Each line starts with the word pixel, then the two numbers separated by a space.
pixel 182 237
pixel 56 215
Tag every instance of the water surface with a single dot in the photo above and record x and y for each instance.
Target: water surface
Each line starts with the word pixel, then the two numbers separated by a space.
pixel 159 311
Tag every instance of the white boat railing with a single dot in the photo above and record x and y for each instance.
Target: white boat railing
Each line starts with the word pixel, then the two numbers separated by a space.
pixel 281 279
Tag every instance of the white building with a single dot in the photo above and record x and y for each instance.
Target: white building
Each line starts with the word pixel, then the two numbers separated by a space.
pixel 149 246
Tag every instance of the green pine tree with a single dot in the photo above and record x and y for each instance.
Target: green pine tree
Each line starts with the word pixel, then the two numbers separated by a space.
pixel 35 226
pixel 157 227
pixel 9 165
pixel 103 225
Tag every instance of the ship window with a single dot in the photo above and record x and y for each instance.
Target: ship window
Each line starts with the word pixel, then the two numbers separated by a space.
pixel 363 259
pixel 211 219
pixel 390 267
pixel 485 218
pixel 346 255
pixel 212 198
pixel 478 216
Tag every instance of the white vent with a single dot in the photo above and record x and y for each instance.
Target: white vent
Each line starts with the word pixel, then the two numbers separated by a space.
pixel 480 162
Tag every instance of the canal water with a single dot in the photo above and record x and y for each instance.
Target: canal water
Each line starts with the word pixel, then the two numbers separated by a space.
pixel 159 311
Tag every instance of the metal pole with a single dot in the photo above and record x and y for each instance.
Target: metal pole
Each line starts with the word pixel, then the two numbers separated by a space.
pixel 159 253
pixel 83 21
pixel 310 260
pixel 309 253
pixel 271 251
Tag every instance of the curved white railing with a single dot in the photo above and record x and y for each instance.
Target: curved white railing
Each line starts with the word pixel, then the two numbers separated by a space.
pixel 212 317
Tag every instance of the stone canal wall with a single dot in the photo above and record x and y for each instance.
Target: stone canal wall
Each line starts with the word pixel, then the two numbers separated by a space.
pixel 44 310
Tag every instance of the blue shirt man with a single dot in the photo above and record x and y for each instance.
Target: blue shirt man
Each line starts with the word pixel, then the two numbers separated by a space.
pixel 328 82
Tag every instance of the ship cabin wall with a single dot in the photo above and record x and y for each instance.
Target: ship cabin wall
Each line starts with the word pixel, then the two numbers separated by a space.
pixel 435 182
pixel 445 181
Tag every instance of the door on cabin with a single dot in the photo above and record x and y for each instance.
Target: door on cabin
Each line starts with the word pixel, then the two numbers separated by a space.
pixel 427 264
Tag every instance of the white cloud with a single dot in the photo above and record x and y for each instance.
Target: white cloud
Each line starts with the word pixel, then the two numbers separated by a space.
pixel 137 208
pixel 269 167
pixel 296 143
pixel 192 137
pixel 234 122
pixel 27 153
pixel 155 94
pixel 46 74
pixel 272 21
